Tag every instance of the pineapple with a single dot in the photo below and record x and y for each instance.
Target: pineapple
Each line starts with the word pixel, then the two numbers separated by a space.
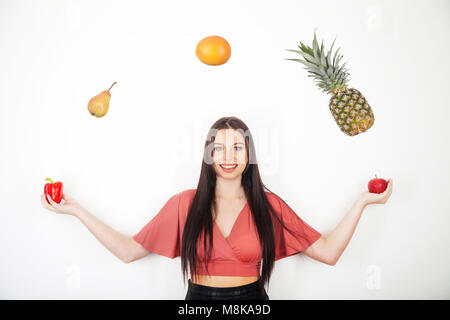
pixel 348 106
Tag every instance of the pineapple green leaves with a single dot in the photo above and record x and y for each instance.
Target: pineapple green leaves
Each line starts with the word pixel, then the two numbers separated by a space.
pixel 325 71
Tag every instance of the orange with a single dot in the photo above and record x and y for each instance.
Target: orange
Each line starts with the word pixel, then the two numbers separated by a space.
pixel 213 50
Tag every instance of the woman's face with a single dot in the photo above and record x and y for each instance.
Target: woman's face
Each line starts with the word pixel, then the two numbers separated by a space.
pixel 229 149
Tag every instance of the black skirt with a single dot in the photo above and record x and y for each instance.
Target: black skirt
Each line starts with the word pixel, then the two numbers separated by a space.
pixel 251 291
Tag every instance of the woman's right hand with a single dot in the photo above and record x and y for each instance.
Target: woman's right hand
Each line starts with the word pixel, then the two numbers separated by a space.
pixel 70 205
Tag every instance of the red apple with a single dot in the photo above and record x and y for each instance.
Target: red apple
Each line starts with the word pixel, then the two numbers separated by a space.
pixel 377 185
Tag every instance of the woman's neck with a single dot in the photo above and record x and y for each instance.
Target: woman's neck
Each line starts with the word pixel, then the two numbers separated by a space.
pixel 229 189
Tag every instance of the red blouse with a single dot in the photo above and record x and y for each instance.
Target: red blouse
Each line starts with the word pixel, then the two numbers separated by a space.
pixel 240 253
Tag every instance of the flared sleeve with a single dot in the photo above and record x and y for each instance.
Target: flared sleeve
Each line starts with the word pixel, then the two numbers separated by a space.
pixel 286 243
pixel 162 234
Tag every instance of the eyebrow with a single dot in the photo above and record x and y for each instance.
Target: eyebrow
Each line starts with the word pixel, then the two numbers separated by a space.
pixel 233 144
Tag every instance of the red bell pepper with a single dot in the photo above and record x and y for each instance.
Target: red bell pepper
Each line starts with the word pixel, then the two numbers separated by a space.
pixel 54 190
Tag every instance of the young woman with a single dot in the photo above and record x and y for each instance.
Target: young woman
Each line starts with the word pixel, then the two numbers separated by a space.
pixel 227 225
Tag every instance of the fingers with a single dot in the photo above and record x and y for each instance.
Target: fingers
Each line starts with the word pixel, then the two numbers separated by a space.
pixel 45 204
pixel 389 188
pixel 387 193
pixel 53 203
pixel 53 206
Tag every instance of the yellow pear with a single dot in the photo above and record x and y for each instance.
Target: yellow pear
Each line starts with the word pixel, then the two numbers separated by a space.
pixel 98 106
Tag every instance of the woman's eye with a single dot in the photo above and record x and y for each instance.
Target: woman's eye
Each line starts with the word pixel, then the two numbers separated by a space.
pixel 238 148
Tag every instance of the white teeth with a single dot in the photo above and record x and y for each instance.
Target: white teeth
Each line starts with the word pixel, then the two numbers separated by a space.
pixel 228 167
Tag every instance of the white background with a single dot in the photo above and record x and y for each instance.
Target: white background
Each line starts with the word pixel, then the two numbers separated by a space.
pixel 56 55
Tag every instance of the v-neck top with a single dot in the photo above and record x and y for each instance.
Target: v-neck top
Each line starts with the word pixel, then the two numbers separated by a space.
pixel 240 253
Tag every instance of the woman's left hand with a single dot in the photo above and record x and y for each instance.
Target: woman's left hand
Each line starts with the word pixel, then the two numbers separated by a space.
pixel 380 198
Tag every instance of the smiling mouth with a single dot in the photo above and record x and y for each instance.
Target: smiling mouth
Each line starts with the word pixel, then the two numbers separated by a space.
pixel 228 167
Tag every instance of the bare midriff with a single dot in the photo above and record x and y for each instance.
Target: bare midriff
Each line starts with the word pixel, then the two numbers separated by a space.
pixel 222 281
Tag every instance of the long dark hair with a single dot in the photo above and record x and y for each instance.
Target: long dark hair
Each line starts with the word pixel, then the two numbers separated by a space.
pixel 200 220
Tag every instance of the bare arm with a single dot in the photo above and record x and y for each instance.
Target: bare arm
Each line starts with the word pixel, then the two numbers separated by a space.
pixel 123 247
pixel 330 249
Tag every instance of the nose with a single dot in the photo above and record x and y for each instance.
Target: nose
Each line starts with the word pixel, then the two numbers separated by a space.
pixel 229 156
